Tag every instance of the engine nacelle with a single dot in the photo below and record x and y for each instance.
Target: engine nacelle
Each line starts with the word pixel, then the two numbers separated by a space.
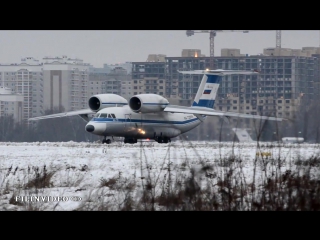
pixel 148 103
pixel 100 101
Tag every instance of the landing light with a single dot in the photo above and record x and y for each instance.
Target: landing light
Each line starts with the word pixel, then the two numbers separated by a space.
pixel 141 131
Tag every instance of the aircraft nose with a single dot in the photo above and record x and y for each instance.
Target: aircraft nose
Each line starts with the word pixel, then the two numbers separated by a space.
pixel 89 128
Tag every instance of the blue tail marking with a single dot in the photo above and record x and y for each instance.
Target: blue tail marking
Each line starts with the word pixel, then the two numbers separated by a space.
pixel 203 93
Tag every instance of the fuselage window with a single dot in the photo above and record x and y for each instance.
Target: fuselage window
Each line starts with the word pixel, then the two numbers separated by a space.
pixel 113 115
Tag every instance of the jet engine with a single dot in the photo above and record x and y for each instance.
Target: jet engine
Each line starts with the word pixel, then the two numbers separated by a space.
pixel 148 103
pixel 100 101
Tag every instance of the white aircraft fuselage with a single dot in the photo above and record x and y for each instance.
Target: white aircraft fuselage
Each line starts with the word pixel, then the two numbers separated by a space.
pixel 123 122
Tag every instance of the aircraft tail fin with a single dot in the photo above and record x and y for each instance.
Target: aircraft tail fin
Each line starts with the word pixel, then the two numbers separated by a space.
pixel 209 85
pixel 207 91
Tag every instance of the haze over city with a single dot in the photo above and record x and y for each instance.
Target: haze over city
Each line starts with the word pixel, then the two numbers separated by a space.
pixel 98 47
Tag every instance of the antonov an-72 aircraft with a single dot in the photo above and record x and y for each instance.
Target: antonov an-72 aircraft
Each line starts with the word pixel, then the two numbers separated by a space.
pixel 150 116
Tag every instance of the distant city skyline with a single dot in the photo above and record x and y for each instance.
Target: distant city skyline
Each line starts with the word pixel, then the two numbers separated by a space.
pixel 98 47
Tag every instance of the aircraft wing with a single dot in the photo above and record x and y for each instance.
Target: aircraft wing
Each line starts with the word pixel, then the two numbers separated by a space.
pixel 65 114
pixel 212 112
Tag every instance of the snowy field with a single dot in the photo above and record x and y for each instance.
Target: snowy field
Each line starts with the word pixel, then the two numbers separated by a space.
pixel 88 175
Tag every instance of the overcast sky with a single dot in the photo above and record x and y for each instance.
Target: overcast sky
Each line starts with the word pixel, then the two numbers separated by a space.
pixel 105 46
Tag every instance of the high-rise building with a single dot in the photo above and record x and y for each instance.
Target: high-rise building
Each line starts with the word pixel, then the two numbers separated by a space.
pixel 11 104
pixel 283 82
pixel 114 81
pixel 183 87
pixel 148 77
pixel 287 78
pixel 25 79
pixel 65 83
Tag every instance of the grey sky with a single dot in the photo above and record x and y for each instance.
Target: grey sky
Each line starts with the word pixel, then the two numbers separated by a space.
pixel 105 46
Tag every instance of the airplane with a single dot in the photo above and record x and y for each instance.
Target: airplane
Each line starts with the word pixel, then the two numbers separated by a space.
pixel 243 136
pixel 151 116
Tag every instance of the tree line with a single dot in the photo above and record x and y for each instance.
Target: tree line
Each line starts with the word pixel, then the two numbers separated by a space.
pixel 47 130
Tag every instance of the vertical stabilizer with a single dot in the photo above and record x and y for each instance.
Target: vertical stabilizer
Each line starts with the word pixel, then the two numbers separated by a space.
pixel 207 91
pixel 209 85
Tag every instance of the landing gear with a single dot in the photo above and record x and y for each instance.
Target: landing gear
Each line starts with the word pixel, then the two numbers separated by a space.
pixel 107 141
pixel 163 139
pixel 130 140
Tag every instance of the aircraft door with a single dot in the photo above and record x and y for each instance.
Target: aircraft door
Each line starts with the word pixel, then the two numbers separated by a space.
pixel 127 121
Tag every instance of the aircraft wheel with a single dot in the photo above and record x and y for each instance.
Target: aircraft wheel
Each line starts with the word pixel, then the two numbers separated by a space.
pixel 108 141
pixel 130 140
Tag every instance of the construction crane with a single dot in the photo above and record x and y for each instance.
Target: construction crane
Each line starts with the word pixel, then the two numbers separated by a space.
pixel 278 38
pixel 213 33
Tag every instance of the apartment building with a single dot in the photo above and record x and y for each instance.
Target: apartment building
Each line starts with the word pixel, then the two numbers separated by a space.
pixel 65 83
pixel 284 81
pixel 287 78
pixel 114 81
pixel 25 79
pixel 148 77
pixel 11 104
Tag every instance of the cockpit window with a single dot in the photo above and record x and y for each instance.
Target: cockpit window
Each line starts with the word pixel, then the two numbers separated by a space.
pixel 96 115
pixel 103 115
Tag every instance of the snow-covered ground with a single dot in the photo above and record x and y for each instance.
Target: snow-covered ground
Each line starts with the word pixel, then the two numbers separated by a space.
pixel 82 170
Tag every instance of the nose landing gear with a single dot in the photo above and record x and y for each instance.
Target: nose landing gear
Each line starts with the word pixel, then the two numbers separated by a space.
pixel 107 141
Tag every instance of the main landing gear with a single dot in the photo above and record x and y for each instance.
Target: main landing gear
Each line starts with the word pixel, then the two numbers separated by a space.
pixel 163 139
pixel 130 140
pixel 157 139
